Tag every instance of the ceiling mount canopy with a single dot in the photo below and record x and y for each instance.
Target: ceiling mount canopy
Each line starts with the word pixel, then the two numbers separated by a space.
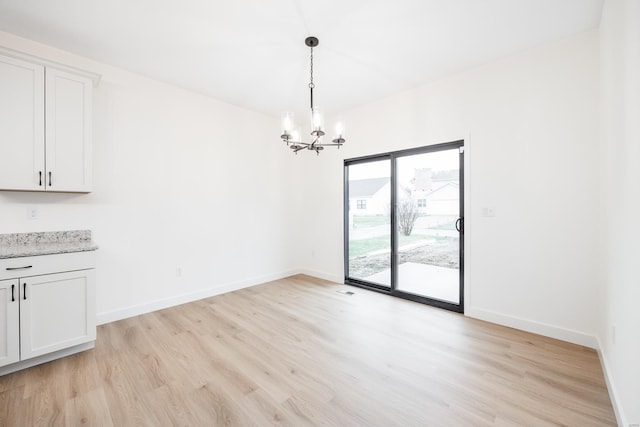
pixel 292 137
pixel 311 41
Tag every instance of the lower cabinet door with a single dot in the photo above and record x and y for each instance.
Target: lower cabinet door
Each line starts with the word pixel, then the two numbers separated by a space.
pixel 56 311
pixel 9 322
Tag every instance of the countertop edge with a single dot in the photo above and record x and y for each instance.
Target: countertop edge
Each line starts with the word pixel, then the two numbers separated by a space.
pixel 47 251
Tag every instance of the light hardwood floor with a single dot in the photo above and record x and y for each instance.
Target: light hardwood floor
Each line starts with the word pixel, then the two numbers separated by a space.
pixel 298 352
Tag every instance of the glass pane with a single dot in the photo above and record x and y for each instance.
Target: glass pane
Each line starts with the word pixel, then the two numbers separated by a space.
pixel 369 223
pixel 428 205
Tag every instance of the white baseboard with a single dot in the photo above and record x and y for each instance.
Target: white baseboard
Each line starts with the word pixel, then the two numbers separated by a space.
pixel 539 328
pixel 321 275
pixel 24 364
pixel 617 408
pixel 159 304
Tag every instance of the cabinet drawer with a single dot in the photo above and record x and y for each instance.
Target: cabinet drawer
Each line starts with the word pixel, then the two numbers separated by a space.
pixel 12 268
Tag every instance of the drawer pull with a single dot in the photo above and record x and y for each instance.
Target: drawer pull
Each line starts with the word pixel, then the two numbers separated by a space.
pixel 13 293
pixel 24 292
pixel 19 268
pixel 40 173
pixel 49 179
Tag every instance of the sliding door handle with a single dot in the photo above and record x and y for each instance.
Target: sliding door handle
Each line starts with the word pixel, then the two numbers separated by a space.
pixel 459 225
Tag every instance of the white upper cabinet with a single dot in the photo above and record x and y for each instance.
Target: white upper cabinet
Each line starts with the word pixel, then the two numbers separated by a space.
pixel 21 125
pixel 68 131
pixel 45 126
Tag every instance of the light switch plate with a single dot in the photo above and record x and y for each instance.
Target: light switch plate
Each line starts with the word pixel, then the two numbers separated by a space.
pixel 32 212
pixel 489 211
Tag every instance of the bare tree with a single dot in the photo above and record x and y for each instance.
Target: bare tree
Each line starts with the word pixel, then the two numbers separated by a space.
pixel 407 212
pixel 407 215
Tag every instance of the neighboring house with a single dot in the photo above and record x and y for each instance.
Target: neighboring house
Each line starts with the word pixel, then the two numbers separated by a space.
pixel 435 196
pixel 368 197
pixel 443 199
pixel 420 188
pixel 431 196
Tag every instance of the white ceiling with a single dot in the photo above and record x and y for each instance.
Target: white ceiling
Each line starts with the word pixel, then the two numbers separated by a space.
pixel 251 53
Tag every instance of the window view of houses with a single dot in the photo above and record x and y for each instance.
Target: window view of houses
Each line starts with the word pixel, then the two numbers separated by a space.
pixel 427 207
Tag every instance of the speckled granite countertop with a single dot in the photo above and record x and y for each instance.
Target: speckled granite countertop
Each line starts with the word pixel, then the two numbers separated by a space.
pixel 45 243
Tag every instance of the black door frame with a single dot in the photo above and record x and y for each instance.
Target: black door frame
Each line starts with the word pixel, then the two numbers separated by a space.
pixel 391 290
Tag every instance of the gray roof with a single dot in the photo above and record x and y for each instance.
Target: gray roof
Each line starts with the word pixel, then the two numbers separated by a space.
pixel 366 187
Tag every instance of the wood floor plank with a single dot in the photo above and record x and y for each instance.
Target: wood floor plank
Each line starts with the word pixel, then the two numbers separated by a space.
pixel 297 352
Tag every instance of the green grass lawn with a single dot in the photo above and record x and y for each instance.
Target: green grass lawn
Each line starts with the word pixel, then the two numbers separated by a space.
pixel 446 226
pixel 362 221
pixel 364 246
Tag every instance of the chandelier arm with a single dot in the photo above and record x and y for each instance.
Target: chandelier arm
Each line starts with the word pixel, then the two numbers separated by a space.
pixel 302 147
pixel 291 141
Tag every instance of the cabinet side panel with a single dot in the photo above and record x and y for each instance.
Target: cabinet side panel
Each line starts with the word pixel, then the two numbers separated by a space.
pixel 21 124
pixel 9 328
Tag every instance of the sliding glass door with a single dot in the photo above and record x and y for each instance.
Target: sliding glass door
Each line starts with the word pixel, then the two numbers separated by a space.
pixel 427 210
pixel 368 220
pixel 404 218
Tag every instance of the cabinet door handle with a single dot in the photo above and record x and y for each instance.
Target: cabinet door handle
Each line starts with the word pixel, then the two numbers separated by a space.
pixel 19 268
pixel 13 293
pixel 24 291
pixel 40 175
pixel 49 179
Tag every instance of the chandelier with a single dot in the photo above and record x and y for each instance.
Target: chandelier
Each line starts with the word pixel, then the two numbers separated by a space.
pixel 292 137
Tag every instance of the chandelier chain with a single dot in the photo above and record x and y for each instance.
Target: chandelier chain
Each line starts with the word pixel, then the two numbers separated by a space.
pixel 311 85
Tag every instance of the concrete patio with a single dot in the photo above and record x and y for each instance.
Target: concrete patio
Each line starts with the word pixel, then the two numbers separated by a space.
pixel 431 281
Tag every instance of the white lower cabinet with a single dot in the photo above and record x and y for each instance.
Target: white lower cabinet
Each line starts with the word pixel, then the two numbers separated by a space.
pixel 46 316
pixel 57 311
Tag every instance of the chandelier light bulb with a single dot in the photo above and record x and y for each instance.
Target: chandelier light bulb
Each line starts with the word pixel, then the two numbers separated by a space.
pixel 339 129
pixel 316 119
pixel 287 123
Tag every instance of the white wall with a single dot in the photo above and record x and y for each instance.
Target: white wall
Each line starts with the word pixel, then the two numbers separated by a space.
pixel 531 125
pixel 180 180
pixel 620 293
pixel 176 185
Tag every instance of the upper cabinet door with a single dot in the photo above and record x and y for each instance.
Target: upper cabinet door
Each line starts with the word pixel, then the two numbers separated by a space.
pixel 21 125
pixel 68 132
